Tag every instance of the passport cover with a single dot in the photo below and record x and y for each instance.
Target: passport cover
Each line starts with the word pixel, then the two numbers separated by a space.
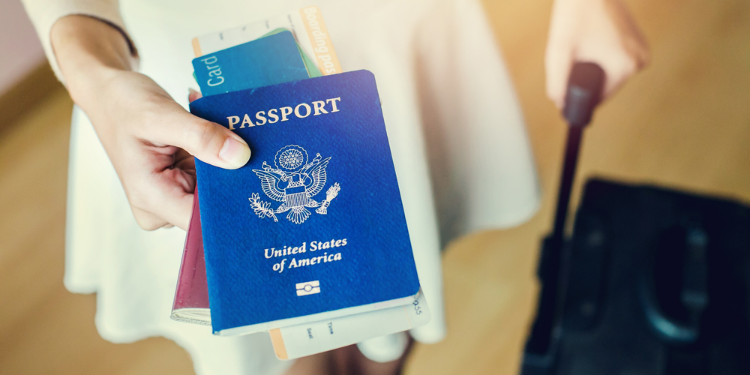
pixel 191 295
pixel 272 58
pixel 314 222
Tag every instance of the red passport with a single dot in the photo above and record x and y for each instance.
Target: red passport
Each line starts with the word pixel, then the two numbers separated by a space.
pixel 191 295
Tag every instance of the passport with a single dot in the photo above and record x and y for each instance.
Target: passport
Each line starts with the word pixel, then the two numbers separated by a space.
pixel 274 58
pixel 313 226
pixel 191 295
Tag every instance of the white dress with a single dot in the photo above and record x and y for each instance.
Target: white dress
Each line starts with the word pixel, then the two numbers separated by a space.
pixel 454 124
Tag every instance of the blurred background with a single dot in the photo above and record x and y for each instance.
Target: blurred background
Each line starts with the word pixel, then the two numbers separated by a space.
pixel 682 123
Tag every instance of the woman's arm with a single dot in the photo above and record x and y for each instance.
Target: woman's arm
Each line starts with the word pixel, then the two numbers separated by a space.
pixel 148 136
pixel 599 31
pixel 88 50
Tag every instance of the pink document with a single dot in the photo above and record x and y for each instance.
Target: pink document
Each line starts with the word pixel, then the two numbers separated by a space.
pixel 191 297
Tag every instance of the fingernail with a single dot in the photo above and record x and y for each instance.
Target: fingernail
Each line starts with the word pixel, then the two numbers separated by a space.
pixel 193 95
pixel 235 152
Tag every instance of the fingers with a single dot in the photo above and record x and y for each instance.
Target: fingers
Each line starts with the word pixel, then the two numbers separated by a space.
pixel 160 195
pixel 558 62
pixel 633 40
pixel 149 139
pixel 559 52
pixel 175 211
pixel 602 32
pixel 172 191
pixel 163 200
pixel 147 220
pixel 193 95
pixel 208 141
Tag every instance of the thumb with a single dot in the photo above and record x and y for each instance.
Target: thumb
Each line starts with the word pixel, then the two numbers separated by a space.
pixel 206 140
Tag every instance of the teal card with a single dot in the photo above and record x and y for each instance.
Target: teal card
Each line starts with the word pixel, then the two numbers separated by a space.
pixel 266 61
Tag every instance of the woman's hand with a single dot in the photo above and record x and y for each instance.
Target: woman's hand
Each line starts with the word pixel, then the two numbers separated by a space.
pixel 599 31
pixel 150 139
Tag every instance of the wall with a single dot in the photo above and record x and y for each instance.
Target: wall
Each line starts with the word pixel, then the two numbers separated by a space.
pixel 20 50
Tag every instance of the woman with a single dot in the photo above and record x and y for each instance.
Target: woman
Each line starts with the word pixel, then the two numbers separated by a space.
pixel 455 128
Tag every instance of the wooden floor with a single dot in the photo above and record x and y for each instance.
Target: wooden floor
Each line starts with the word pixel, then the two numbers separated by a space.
pixel 684 123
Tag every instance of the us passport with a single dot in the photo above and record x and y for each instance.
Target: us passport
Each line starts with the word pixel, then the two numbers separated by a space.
pixel 313 226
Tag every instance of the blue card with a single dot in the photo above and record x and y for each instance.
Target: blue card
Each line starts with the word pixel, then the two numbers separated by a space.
pixel 314 222
pixel 265 61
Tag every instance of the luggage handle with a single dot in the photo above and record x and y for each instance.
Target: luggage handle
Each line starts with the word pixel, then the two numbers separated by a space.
pixel 582 95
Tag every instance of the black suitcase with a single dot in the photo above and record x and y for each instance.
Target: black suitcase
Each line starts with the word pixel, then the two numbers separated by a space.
pixel 653 281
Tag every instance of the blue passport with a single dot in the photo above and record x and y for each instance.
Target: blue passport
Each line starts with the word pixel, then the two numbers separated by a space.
pixel 274 58
pixel 313 226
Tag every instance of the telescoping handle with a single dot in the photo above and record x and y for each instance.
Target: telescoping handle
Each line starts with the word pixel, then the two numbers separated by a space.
pixel 583 94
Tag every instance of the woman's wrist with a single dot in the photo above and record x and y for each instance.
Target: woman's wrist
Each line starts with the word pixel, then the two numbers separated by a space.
pixel 90 54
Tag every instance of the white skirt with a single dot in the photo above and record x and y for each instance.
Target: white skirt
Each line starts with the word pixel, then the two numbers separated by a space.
pixel 454 125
